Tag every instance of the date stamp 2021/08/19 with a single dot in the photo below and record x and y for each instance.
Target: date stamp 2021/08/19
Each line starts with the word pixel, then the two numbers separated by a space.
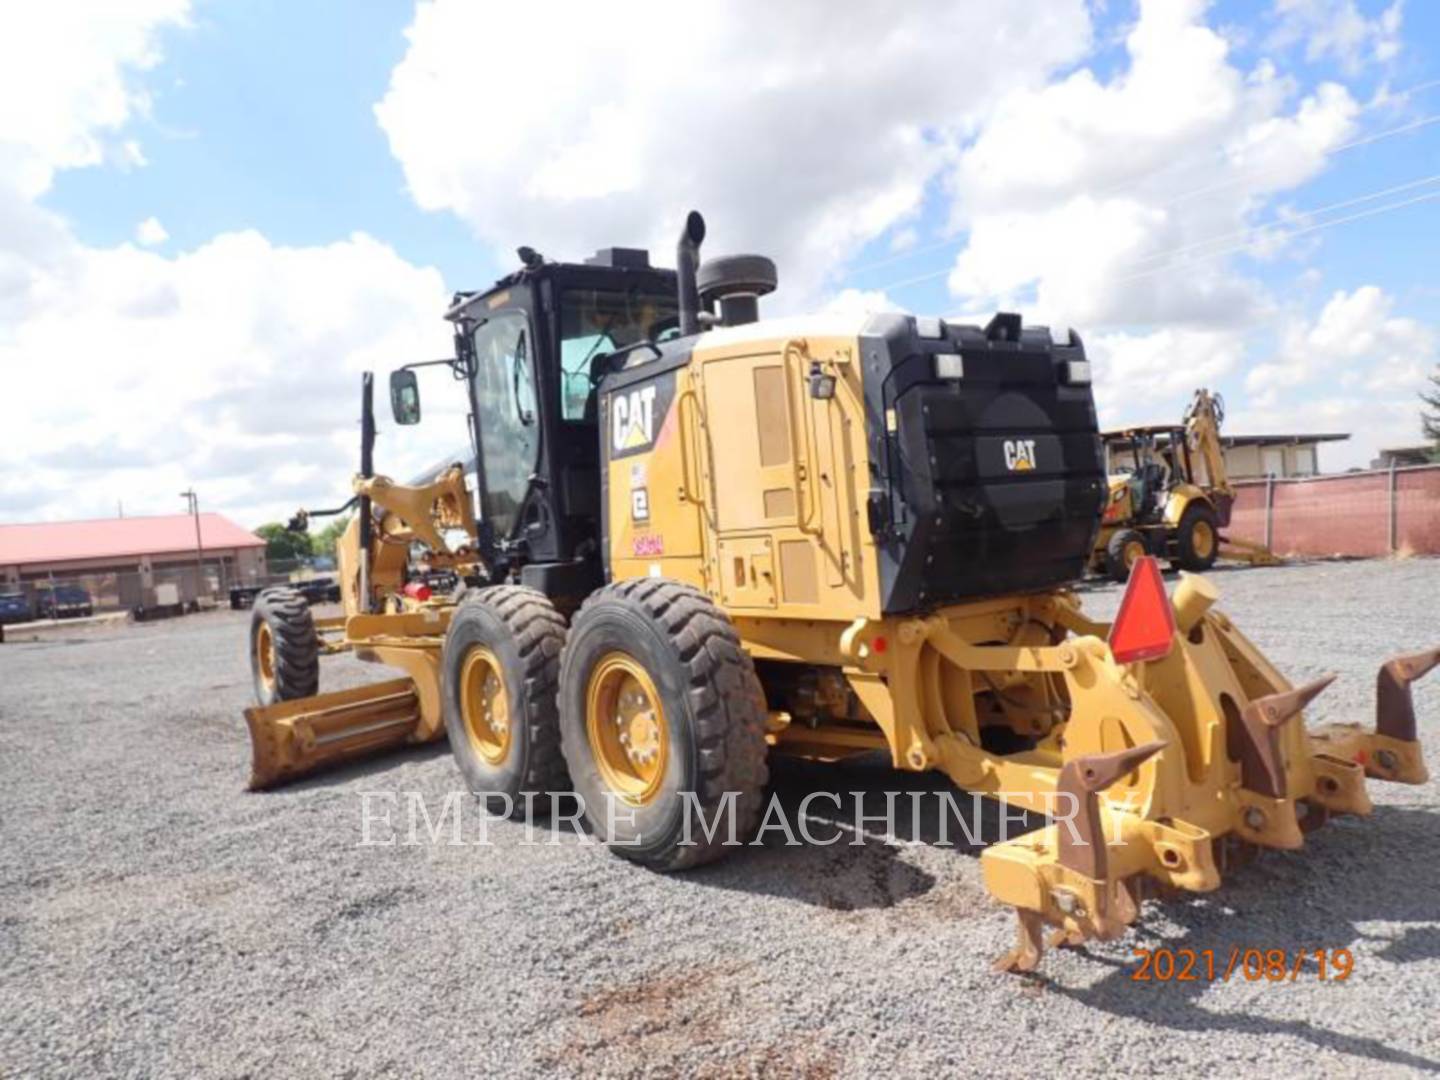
pixel 1250 964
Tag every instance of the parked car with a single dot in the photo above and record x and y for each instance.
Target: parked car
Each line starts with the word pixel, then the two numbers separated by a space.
pixel 14 607
pixel 63 602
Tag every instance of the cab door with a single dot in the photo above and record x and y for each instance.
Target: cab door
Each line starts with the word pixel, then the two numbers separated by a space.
pixel 508 416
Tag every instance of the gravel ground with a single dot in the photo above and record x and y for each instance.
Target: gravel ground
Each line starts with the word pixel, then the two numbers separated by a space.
pixel 157 920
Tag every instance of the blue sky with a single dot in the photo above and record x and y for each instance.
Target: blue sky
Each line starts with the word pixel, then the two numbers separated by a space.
pixel 1050 168
pixel 263 119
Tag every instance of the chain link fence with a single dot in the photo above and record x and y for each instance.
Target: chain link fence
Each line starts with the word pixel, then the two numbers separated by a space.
pixel 167 589
pixel 1386 512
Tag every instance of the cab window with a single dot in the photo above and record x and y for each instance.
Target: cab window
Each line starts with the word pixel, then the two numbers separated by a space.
pixel 598 321
pixel 505 401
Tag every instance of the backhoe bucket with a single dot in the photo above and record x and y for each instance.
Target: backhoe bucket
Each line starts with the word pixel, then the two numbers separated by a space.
pixel 292 738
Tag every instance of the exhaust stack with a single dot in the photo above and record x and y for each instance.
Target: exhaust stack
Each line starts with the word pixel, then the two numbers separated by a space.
pixel 687 263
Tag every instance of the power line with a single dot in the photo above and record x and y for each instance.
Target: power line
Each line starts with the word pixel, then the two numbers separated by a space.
pixel 1424 121
pixel 1126 185
pixel 1289 235
pixel 1194 159
pixel 1316 212
pixel 1253 232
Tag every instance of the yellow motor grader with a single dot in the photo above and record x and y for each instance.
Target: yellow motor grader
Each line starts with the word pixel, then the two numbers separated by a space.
pixel 691 539
pixel 1170 496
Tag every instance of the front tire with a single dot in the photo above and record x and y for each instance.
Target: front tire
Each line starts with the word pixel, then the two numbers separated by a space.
pixel 499 669
pixel 1197 538
pixel 662 721
pixel 284 647
pixel 1123 548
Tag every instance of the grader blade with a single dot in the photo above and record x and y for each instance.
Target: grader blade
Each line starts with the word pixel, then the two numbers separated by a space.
pixel 292 738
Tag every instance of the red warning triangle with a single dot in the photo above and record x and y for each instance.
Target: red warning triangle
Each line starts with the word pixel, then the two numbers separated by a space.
pixel 1144 629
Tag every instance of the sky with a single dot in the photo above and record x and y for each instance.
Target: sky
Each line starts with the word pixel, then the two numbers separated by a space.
pixel 215 216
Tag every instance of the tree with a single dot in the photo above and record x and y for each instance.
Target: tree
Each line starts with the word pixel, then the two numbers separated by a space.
pixel 328 537
pixel 282 545
pixel 1430 415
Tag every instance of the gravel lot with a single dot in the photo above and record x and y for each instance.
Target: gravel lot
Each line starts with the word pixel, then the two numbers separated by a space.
pixel 156 919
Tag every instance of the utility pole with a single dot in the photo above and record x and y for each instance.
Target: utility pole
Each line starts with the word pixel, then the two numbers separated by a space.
pixel 194 503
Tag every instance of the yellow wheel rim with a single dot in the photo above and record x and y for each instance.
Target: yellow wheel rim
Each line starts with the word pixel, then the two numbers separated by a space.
pixel 265 654
pixel 1202 539
pixel 484 705
pixel 1133 550
pixel 625 723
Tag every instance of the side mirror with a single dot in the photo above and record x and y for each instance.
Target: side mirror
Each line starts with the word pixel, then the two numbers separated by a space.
pixel 405 396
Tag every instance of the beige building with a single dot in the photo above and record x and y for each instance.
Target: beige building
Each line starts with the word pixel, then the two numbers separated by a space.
pixel 1402 457
pixel 1254 457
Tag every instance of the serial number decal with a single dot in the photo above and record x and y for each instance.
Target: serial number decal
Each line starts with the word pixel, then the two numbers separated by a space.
pixel 1252 965
pixel 647 545
pixel 640 504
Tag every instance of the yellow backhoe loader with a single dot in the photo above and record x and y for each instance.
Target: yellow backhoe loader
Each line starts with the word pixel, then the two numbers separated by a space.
pixel 692 539
pixel 1170 496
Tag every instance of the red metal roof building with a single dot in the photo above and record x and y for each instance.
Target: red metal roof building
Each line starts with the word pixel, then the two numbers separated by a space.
pixel 128 546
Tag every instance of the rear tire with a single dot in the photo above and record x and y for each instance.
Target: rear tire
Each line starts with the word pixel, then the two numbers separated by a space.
pixel 284 647
pixel 1121 553
pixel 701 731
pixel 1197 538
pixel 499 669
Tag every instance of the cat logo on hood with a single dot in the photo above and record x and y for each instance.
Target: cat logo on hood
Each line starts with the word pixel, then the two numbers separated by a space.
pixel 1020 455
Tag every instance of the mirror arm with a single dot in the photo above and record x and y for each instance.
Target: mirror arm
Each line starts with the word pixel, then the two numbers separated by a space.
pixel 449 362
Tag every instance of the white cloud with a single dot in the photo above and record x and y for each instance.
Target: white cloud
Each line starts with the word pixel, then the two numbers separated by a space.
pixel 904 239
pixel 1145 378
pixel 1087 195
pixel 150 233
pixel 64 90
pixel 233 366
pixel 802 132
pixel 1356 343
pixel 860 302
pixel 1337 30
pixel 1353 367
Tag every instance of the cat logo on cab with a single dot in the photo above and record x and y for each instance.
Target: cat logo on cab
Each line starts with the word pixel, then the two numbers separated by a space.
pixel 636 416
pixel 1020 455
pixel 633 420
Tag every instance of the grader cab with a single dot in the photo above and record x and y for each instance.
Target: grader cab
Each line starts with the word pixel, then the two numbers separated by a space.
pixel 692 539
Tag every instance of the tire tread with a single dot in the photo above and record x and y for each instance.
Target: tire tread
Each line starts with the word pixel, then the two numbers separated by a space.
pixel 725 699
pixel 539 632
pixel 297 645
